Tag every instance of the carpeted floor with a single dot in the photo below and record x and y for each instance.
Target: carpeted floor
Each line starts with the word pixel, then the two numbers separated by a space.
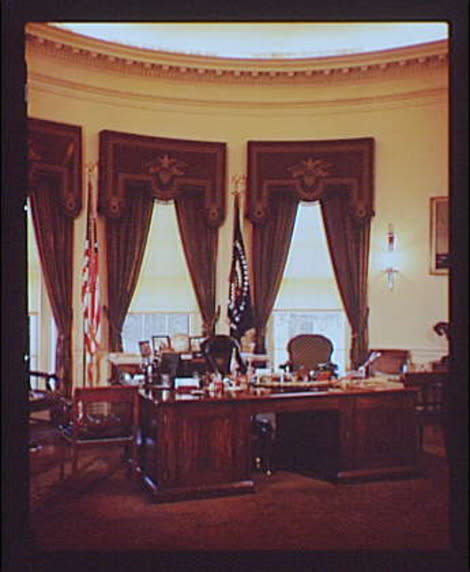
pixel 103 510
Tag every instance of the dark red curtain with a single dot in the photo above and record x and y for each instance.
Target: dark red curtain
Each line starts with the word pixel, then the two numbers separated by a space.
pixel 126 239
pixel 348 241
pixel 271 243
pixel 54 236
pixel 200 247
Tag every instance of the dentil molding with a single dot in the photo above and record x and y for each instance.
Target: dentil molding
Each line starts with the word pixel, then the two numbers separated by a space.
pixel 72 47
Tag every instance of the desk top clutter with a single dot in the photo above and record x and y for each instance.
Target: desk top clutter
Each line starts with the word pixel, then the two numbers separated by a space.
pixel 195 379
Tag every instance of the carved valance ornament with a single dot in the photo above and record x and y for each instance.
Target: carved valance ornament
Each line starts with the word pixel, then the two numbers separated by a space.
pixel 54 159
pixel 311 170
pixel 165 167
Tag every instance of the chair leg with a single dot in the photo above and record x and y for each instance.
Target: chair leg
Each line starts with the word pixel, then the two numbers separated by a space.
pixel 74 459
pixel 129 456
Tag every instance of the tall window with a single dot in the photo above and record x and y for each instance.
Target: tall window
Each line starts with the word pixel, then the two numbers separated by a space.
pixel 164 300
pixel 308 300
pixel 42 328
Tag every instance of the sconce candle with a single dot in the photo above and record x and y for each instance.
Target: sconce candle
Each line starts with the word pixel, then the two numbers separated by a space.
pixel 391 238
pixel 390 271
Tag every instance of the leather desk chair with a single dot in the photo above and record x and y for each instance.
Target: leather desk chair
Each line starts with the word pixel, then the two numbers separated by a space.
pixel 309 352
pixel 220 350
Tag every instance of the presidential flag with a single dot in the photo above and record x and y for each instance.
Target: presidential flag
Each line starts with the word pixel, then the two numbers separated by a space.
pixel 91 291
pixel 240 311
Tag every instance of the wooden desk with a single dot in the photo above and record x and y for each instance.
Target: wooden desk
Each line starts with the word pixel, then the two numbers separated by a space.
pixel 197 446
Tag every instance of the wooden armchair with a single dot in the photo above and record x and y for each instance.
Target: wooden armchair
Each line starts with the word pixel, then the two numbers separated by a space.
pixel 388 361
pixel 430 402
pixel 104 416
pixel 46 394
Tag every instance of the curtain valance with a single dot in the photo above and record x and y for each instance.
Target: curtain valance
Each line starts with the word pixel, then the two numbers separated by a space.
pixel 311 170
pixel 337 173
pixel 166 168
pixel 55 162
pixel 135 170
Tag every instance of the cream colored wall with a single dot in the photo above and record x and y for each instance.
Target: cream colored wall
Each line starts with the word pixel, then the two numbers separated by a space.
pixel 405 114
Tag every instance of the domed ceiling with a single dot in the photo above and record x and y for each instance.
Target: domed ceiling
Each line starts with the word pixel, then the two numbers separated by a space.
pixel 263 40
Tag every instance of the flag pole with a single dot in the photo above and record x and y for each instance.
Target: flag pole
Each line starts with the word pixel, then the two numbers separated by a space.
pixel 88 357
pixel 240 312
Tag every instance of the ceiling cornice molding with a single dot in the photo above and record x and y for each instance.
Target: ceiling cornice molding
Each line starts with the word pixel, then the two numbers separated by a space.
pixel 71 89
pixel 72 47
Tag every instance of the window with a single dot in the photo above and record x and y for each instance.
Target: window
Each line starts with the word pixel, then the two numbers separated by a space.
pixel 142 326
pixel 309 301
pixel 330 323
pixel 164 301
pixel 33 341
pixel 42 328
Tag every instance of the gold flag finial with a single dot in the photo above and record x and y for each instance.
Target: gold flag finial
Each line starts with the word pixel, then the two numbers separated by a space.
pixel 92 168
pixel 239 182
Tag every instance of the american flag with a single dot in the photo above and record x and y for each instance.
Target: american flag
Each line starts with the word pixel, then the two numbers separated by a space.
pixel 240 311
pixel 91 291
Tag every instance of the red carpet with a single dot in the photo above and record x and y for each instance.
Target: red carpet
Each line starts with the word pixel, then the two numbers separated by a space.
pixel 103 510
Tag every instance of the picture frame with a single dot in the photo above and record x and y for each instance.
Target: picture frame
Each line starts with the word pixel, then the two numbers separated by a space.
pixel 161 343
pixel 439 227
pixel 145 349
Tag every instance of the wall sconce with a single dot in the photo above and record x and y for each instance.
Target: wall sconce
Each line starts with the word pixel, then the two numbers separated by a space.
pixel 390 269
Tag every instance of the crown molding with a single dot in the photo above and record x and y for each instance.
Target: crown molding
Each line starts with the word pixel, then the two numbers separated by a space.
pixel 65 87
pixel 117 58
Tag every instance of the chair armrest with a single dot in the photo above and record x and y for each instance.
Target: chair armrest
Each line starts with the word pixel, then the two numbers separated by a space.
pixel 48 377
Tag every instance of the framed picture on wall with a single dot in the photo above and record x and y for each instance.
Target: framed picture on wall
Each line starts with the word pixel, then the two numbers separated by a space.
pixel 439 235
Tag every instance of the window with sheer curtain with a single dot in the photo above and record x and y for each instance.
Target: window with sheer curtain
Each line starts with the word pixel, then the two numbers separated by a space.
pixel 308 299
pixel 42 329
pixel 164 300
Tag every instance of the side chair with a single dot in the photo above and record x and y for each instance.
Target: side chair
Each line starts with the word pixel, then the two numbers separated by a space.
pixel 104 416
pixel 430 403
pixel 46 396
pixel 388 362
